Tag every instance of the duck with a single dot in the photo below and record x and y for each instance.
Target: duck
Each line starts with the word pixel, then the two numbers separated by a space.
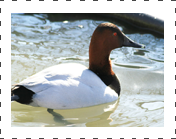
pixel 72 85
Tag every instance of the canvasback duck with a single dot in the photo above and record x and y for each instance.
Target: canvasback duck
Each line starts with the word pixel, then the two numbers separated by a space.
pixel 69 86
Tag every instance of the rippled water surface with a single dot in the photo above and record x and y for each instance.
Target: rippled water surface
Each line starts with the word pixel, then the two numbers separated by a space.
pixel 42 40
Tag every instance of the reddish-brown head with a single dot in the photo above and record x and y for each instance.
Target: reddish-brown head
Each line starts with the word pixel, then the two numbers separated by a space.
pixel 105 38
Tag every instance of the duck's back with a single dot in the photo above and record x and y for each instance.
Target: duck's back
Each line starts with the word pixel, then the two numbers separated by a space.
pixel 68 86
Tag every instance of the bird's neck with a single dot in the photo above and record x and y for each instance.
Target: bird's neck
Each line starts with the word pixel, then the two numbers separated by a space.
pixel 99 60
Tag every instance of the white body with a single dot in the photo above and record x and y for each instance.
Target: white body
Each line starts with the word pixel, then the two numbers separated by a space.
pixel 68 86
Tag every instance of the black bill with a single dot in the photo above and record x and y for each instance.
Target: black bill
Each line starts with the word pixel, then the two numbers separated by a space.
pixel 131 43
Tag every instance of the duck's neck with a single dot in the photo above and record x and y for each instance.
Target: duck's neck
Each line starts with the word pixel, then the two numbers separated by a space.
pixel 99 61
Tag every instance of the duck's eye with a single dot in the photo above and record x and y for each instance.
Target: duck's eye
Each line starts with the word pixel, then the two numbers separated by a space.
pixel 115 34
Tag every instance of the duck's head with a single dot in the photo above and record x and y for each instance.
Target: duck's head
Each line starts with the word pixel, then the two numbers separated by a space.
pixel 108 36
pixel 105 38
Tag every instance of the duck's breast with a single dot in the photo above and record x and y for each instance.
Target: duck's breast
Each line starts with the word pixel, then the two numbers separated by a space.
pixel 68 86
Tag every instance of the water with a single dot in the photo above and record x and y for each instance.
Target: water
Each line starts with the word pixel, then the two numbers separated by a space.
pixel 42 40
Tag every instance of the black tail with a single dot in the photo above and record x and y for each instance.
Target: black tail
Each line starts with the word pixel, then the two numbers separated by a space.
pixel 21 94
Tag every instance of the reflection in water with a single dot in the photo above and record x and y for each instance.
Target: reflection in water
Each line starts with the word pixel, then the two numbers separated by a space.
pixel 90 116
pixel 42 40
